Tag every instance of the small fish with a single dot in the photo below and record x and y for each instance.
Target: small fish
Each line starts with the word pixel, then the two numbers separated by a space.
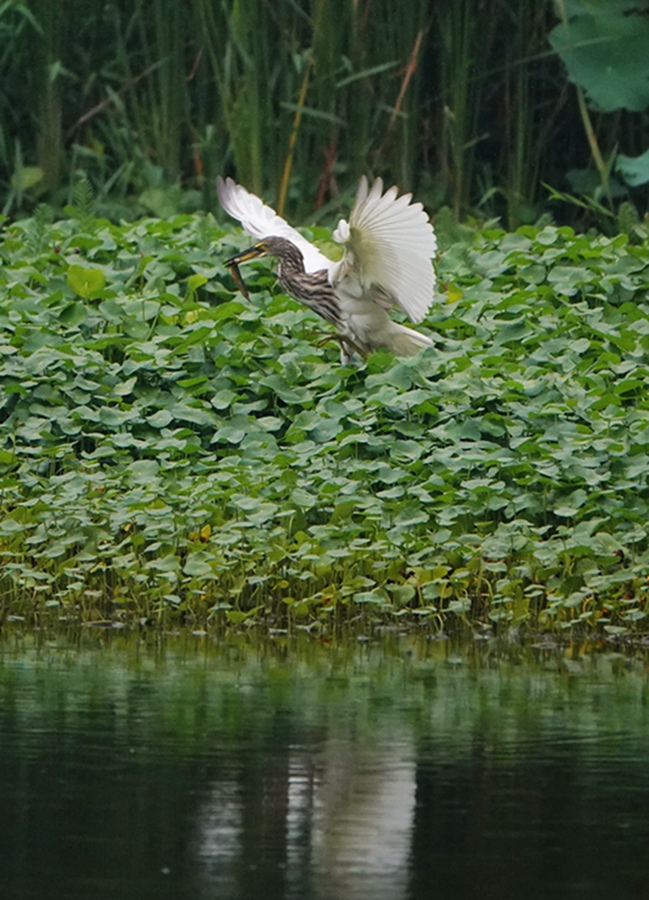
pixel 238 280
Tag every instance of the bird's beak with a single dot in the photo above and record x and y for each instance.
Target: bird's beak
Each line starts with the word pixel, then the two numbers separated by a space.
pixel 251 253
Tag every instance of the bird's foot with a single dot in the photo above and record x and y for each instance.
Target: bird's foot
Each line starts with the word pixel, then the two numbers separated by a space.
pixel 346 343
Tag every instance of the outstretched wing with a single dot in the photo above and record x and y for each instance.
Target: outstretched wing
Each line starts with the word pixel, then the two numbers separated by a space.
pixel 261 221
pixel 390 243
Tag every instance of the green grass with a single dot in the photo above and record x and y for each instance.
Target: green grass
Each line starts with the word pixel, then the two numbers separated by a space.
pixel 171 451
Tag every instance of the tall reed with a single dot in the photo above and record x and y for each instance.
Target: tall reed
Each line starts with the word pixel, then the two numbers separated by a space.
pixel 459 99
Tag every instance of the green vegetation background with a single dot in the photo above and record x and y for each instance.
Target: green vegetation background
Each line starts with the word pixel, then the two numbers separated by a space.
pixel 494 108
pixel 169 447
pixel 172 451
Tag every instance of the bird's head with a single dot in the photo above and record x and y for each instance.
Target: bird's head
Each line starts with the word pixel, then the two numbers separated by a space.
pixel 289 257
pixel 269 246
pixel 261 248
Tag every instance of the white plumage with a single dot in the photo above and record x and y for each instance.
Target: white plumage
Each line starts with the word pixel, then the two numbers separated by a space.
pixel 389 244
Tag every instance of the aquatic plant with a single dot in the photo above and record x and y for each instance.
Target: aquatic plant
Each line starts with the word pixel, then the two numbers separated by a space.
pixel 170 450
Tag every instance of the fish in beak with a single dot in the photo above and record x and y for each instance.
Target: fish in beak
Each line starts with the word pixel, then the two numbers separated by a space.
pixel 245 255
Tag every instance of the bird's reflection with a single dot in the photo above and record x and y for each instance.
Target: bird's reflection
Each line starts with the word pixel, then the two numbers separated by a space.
pixel 336 824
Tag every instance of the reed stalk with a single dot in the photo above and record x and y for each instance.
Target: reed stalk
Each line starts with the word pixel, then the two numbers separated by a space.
pixel 462 100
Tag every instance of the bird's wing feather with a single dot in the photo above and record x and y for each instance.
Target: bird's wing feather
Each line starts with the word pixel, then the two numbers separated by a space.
pixel 390 242
pixel 262 221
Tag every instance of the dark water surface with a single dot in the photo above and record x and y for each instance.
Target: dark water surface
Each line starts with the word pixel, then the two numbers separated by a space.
pixel 190 768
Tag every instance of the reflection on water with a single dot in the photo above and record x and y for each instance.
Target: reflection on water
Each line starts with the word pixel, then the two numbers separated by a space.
pixel 337 824
pixel 401 769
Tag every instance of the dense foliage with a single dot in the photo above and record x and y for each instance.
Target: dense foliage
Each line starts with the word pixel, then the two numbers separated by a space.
pixel 167 446
pixel 468 102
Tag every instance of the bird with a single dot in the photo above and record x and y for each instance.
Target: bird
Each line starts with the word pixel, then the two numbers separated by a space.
pixel 389 244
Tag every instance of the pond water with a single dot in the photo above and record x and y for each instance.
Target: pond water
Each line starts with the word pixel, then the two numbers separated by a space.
pixel 396 769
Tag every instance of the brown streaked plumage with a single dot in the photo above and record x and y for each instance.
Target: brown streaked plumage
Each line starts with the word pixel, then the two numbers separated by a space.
pixel 389 245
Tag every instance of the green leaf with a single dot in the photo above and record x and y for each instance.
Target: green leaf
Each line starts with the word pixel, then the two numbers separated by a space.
pixel 160 419
pixel 223 399
pixel 237 616
pixel 198 565
pixel 125 387
pixel 372 598
pixel 73 314
pixel 634 169
pixel 605 51
pixel 194 282
pixel 86 282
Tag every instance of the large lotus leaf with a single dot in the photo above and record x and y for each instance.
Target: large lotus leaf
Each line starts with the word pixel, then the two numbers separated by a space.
pixel 605 52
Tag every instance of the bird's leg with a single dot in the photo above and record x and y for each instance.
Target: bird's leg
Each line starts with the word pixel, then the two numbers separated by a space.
pixel 344 342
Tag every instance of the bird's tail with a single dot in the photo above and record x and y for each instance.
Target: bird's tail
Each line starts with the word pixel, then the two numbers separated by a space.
pixel 404 341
